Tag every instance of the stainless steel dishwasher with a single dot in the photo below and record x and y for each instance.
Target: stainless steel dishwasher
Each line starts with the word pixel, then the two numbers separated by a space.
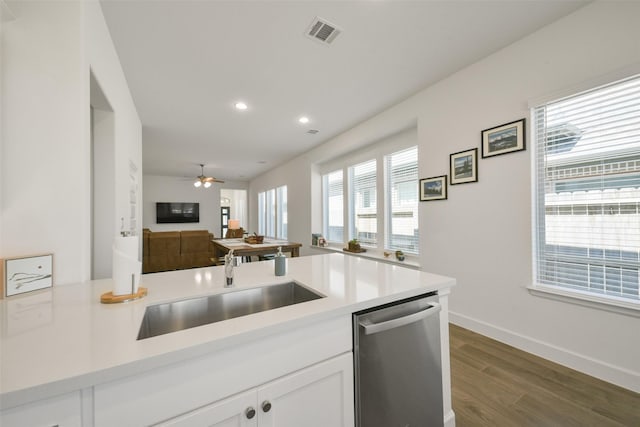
pixel 397 364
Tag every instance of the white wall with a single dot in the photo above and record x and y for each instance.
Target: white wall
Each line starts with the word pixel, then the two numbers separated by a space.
pixel 102 60
pixel 175 189
pixel 5 17
pixel 481 235
pixel 48 51
pixel 44 206
pixel 296 175
pixel 103 206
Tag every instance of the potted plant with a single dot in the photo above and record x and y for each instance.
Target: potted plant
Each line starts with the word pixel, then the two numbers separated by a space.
pixel 354 245
pixel 400 255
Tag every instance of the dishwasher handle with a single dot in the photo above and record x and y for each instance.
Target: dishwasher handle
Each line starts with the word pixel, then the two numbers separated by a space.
pixel 373 328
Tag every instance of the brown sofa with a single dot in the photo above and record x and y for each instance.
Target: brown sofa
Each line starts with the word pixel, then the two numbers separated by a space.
pixel 175 250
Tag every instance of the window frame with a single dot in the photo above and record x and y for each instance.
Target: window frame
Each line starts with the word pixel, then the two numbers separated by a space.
pixel 569 294
pixel 389 243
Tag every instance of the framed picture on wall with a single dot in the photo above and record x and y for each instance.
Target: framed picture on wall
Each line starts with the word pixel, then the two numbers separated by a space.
pixel 26 274
pixel 434 188
pixel 464 166
pixel 503 139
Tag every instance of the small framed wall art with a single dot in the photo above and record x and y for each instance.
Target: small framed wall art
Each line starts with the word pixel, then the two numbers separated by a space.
pixel 503 139
pixel 434 188
pixel 26 274
pixel 464 166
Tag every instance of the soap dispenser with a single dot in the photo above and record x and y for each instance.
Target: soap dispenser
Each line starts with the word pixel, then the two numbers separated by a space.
pixel 228 268
pixel 280 265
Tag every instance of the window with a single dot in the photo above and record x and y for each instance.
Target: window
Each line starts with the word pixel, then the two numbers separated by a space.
pixel 272 213
pixel 281 215
pixel 588 192
pixel 401 170
pixel 270 218
pixel 332 185
pixel 391 178
pixel 262 209
pixel 363 212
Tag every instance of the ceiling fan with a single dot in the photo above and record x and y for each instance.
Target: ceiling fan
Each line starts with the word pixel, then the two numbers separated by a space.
pixel 204 181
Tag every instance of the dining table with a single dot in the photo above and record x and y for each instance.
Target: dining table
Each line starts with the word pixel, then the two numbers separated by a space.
pixel 242 248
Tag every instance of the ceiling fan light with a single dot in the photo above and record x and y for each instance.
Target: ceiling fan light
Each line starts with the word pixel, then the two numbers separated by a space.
pixel 207 184
pixel 197 184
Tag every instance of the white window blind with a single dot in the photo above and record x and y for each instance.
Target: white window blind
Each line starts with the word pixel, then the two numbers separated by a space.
pixel 363 212
pixel 588 191
pixel 282 218
pixel 401 170
pixel 262 213
pixel 333 189
pixel 270 213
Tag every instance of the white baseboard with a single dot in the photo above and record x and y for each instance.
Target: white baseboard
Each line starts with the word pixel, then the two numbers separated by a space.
pixel 450 419
pixel 587 365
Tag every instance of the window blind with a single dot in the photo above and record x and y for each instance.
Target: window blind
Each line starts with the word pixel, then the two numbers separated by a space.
pixel 333 206
pixel 262 213
pixel 401 170
pixel 271 213
pixel 588 191
pixel 282 217
pixel 363 212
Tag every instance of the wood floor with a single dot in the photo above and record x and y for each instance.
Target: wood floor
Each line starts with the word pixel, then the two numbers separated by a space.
pixel 494 384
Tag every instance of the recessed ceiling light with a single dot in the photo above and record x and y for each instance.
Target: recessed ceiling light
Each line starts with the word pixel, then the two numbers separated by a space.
pixel 303 119
pixel 241 106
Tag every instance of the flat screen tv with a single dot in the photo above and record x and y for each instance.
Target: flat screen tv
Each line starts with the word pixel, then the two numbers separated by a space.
pixel 177 212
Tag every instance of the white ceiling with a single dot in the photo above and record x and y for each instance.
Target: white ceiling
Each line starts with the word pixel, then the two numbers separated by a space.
pixel 188 62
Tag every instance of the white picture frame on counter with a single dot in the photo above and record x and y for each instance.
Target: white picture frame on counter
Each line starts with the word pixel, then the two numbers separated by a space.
pixel 26 274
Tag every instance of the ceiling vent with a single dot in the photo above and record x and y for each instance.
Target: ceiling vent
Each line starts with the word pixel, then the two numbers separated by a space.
pixel 322 31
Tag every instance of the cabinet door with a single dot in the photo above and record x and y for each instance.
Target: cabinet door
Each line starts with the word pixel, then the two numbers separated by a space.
pixel 318 396
pixel 232 412
pixel 62 411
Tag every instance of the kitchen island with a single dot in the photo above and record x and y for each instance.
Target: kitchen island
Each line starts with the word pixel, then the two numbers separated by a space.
pixel 75 361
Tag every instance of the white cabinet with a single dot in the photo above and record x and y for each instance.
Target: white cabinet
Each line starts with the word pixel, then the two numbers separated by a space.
pixel 317 396
pixel 61 411
pixel 164 393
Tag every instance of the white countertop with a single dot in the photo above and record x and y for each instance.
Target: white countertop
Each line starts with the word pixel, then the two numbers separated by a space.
pixel 64 339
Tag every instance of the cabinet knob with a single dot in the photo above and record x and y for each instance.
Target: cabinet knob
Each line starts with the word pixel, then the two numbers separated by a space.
pixel 266 406
pixel 250 412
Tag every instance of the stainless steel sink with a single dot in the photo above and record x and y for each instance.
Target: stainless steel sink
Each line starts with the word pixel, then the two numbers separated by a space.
pixel 184 314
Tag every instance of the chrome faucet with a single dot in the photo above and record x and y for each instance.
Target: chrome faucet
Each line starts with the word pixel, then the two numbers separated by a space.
pixel 228 269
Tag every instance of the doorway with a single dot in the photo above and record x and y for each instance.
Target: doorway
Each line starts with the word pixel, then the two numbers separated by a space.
pixel 233 205
pixel 102 127
pixel 225 212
